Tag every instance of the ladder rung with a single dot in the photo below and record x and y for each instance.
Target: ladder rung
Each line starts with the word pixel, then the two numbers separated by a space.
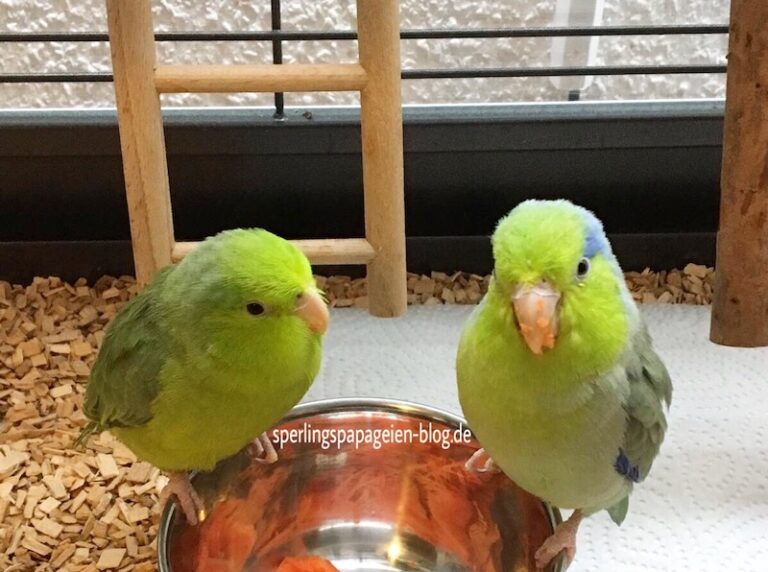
pixel 320 251
pixel 259 78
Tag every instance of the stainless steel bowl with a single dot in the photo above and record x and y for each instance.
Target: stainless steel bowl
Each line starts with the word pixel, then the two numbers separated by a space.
pixel 363 506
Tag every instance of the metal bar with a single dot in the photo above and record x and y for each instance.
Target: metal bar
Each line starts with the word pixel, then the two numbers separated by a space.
pixel 86 77
pixel 277 55
pixel 428 73
pixel 423 34
pixel 555 72
pixel 556 31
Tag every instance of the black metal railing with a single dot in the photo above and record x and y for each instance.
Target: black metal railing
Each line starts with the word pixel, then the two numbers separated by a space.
pixel 277 36
pixel 277 53
pixel 424 34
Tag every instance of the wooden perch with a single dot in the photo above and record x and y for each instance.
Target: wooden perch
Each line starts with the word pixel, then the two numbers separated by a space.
pixel 740 307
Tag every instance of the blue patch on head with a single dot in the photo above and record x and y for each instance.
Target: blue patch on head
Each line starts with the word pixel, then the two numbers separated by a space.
pixel 625 468
pixel 595 240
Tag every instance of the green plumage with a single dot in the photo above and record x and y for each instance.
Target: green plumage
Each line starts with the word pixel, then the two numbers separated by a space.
pixel 186 376
pixel 557 423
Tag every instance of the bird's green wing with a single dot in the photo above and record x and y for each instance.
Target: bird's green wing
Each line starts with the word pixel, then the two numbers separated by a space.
pixel 650 389
pixel 124 380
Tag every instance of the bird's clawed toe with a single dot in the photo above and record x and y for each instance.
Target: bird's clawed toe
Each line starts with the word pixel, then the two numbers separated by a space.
pixel 551 548
pixel 263 450
pixel 481 462
pixel 189 501
pixel 562 540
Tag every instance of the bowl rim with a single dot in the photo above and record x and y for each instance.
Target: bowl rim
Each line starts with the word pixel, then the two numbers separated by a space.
pixel 332 406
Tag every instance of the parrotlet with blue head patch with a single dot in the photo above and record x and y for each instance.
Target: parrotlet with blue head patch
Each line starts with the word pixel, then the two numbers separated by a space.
pixel 556 372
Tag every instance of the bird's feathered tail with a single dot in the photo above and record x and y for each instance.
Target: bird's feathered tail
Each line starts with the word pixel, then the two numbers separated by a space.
pixel 90 429
pixel 618 512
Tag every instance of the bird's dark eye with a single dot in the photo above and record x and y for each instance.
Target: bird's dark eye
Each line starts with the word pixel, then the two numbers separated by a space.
pixel 583 268
pixel 254 309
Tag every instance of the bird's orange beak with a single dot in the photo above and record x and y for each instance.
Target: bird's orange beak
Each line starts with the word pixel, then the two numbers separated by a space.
pixel 536 312
pixel 311 308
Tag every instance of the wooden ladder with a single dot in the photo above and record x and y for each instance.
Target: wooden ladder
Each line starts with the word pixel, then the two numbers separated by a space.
pixel 139 81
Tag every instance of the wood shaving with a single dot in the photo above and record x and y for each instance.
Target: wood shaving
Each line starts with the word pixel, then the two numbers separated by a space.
pixel 56 512
pixel 692 285
pixel 84 511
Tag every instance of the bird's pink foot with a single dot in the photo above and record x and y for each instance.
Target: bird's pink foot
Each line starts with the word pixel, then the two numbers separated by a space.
pixel 481 462
pixel 191 504
pixel 263 450
pixel 562 540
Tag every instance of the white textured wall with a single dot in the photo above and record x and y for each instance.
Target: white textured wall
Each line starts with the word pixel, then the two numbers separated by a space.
pixel 185 15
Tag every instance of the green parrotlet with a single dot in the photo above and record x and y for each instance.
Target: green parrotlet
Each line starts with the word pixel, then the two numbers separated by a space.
pixel 211 354
pixel 556 373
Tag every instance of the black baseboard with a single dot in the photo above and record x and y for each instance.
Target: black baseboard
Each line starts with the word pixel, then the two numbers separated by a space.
pixel 21 261
pixel 649 170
